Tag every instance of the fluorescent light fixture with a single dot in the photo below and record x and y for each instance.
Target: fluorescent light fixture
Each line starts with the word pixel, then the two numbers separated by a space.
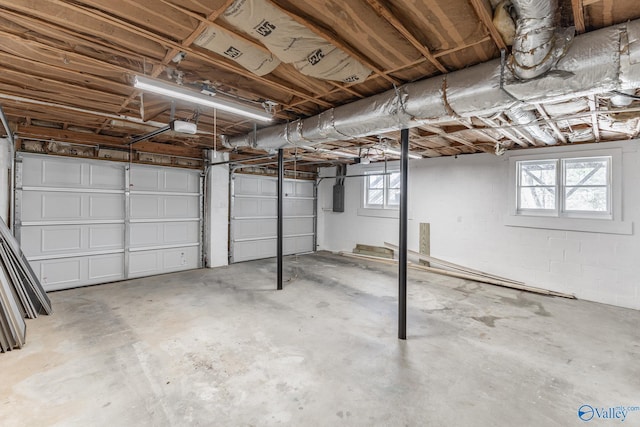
pixel 184 94
pixel 399 153
pixel 334 152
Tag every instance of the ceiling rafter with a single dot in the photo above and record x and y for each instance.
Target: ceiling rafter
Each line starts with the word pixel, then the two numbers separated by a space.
pixel 73 37
pixel 483 10
pixel 333 39
pixel 577 7
pixel 550 123
pixel 443 134
pixel 383 11
pixel 209 22
pixel 518 130
pixel 157 69
pixel 593 107
pixel 222 63
pixel 490 123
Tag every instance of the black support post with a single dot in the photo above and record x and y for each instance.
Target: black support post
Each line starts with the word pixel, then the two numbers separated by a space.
pixel 402 240
pixel 280 213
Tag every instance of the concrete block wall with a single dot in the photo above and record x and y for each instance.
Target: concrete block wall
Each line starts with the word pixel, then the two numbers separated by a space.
pixel 467 202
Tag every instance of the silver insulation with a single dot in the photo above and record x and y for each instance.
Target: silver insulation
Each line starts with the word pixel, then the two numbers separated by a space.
pixel 537 45
pixel 527 119
pixel 596 63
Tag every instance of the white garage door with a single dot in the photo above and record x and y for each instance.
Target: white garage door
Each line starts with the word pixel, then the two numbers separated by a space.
pixel 254 210
pixel 78 225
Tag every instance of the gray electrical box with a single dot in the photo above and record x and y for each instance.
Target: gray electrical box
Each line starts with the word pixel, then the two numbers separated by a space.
pixel 338 198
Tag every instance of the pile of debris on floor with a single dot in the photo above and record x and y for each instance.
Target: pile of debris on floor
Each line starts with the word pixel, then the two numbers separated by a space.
pixel 21 294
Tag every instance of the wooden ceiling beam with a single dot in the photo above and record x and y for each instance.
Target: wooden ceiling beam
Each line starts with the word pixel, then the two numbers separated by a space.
pixel 222 63
pixel 409 65
pixel 71 37
pixel 332 38
pixel 484 12
pixel 443 134
pixel 593 106
pixel 383 11
pixel 208 21
pixel 490 123
pixel 173 51
pixel 577 6
pixel 550 122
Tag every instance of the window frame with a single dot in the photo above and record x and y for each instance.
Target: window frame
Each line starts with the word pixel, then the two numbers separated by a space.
pixel 560 186
pixel 386 187
pixel 612 222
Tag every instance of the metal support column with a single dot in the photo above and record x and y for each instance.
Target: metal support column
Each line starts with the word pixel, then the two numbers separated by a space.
pixel 280 213
pixel 402 240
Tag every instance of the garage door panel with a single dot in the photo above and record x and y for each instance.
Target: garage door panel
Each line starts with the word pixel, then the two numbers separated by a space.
pixel 61 174
pixel 106 206
pixel 147 263
pixel 249 185
pixel 67 273
pixel 254 228
pixel 145 179
pixel 105 268
pixel 254 217
pixel 152 206
pixel 76 239
pixel 293 226
pixel 262 228
pixel 60 239
pixel 258 249
pixel 244 207
pixel 150 178
pixel 246 251
pixel 181 232
pixel 296 207
pixel 105 176
pixel 59 273
pixel 69 173
pixel 295 245
pixel 181 206
pixel 105 236
pixel 158 234
pixel 62 206
pixel 73 223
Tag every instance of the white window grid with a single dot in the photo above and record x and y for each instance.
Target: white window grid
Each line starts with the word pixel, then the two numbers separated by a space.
pixel 384 187
pixel 561 191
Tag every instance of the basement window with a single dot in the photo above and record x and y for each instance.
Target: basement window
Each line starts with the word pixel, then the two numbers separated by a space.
pixel 570 187
pixel 382 191
pixel 564 189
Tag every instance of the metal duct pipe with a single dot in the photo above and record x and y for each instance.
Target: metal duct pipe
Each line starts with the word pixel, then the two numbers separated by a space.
pixel 596 63
pixel 537 45
pixel 528 119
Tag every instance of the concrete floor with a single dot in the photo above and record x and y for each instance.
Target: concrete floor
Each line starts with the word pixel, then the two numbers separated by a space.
pixel 222 348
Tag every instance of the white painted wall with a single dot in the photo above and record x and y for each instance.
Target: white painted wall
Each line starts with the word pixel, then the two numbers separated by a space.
pixel 218 212
pixel 467 202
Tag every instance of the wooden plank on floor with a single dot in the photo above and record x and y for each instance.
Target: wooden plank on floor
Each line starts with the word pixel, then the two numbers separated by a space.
pixel 460 275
